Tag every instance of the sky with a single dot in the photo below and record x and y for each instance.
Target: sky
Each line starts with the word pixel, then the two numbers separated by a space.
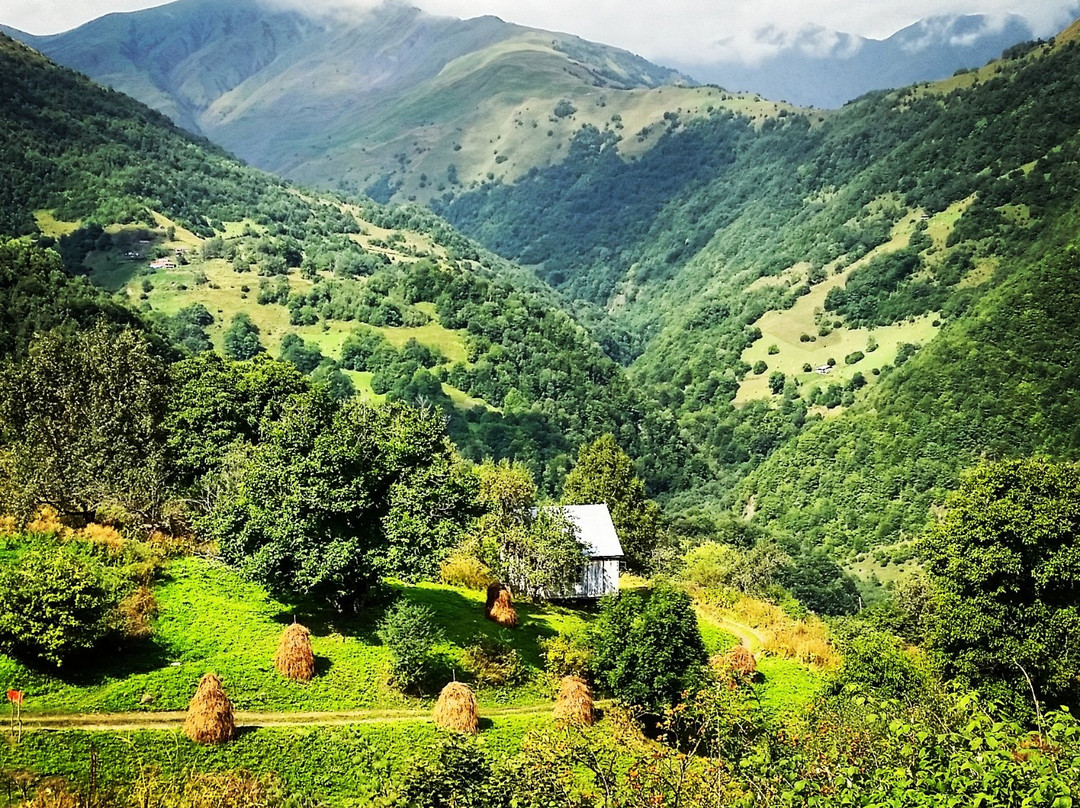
pixel 679 30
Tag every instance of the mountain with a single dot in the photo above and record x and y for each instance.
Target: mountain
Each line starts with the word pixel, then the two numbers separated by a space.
pixel 390 301
pixel 843 310
pixel 393 99
pixel 818 67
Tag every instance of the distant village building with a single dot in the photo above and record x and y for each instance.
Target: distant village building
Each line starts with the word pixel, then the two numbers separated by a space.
pixel 163 263
pixel 596 532
pixel 823 369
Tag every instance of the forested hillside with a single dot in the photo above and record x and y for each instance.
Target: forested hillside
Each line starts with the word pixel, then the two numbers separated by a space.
pixel 390 300
pixel 762 279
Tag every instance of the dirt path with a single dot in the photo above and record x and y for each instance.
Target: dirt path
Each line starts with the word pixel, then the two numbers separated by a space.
pixel 120 722
pixel 747 635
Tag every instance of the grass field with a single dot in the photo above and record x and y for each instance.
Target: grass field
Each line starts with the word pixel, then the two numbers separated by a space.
pixel 782 329
pixel 212 620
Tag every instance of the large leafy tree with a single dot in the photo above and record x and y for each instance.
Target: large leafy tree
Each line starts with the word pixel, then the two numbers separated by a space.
pixel 81 423
pixel 310 509
pixel 533 548
pixel 1005 556
pixel 647 646
pixel 604 473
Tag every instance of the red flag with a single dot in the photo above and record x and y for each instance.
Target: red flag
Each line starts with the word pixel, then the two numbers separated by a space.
pixel 15 696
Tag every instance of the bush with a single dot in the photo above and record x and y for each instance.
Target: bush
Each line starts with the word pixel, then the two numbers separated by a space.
pixel 853 357
pixel 567 655
pixel 466 570
pixel 648 647
pixel 492 662
pixel 409 632
pixel 55 603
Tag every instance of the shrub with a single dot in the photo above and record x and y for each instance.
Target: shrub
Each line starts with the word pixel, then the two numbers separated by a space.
pixel 567 655
pixel 492 662
pixel 853 357
pixel 55 603
pixel 760 367
pixel 410 634
pixel 647 647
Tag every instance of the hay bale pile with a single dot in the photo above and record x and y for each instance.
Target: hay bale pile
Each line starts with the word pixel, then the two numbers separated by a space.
pixel 500 606
pixel 210 715
pixel 574 704
pixel 294 658
pixel 456 709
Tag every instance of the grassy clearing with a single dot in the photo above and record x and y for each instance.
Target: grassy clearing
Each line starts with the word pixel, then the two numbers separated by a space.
pixel 49 225
pixel 212 620
pixel 340 765
pixel 785 686
pixel 783 330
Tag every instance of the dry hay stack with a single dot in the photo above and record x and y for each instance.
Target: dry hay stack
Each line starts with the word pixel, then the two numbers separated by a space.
pixel 740 660
pixel 294 658
pixel 500 606
pixel 574 704
pixel 210 716
pixel 456 709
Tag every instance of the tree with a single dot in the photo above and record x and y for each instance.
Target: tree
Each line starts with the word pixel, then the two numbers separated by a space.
pixel 55 603
pixel 532 547
pixel 242 338
pixel 605 474
pixel 308 509
pixel 647 646
pixel 1005 557
pixel 81 421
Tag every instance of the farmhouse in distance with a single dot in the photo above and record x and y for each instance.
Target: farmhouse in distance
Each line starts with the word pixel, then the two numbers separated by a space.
pixel 597 534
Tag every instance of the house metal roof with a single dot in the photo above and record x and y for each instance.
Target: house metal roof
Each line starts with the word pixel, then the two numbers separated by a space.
pixel 595 530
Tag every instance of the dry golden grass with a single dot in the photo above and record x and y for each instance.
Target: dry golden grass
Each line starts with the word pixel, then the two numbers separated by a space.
pixel 210 714
pixel 294 658
pixel 574 704
pixel 740 660
pixel 456 709
pixel 805 640
pixel 136 611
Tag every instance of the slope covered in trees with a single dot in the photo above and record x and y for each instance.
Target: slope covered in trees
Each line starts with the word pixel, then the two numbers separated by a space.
pixel 116 185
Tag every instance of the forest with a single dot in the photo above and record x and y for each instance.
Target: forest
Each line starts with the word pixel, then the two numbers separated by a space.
pixel 284 473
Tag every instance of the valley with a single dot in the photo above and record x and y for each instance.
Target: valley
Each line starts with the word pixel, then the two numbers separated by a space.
pixel 293 458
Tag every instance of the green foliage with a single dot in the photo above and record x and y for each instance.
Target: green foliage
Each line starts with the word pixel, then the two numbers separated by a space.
pixel 242 338
pixel 533 549
pixel 492 662
pixel 81 423
pixel 647 647
pixel 605 474
pixel 410 634
pixel 1004 557
pixel 36 296
pixel 820 584
pixel 55 603
pixel 876 662
pixel 334 496
pixel 568 655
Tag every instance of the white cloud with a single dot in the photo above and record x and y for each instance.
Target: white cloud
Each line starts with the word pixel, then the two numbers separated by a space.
pixel 684 30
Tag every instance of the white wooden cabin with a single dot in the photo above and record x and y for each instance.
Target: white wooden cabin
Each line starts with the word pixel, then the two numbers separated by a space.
pixel 596 532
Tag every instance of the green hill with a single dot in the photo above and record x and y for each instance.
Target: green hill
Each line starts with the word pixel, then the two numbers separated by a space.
pixel 114 187
pixel 734 259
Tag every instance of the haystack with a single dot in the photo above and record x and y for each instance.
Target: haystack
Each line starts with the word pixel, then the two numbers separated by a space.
pixel 294 658
pixel 210 715
pixel 741 661
pixel 574 704
pixel 456 709
pixel 500 606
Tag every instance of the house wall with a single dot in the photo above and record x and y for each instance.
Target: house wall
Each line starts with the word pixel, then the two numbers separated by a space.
pixel 601 577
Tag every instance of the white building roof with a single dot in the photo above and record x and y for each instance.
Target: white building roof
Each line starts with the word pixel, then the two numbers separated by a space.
pixel 595 530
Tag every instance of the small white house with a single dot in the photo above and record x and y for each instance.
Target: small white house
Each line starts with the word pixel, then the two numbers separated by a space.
pixel 596 532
